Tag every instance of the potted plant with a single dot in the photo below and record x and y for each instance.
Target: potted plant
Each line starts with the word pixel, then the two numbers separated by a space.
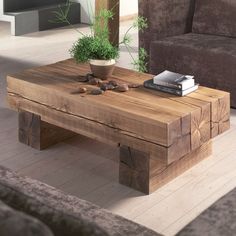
pixel 96 48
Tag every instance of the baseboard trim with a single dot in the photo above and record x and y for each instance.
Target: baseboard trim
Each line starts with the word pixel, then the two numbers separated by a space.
pixel 128 17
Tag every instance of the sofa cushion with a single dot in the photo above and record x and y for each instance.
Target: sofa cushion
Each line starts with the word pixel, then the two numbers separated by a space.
pixel 216 17
pixel 165 18
pixel 14 223
pixel 211 59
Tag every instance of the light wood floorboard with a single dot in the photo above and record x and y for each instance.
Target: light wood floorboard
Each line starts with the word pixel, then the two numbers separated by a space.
pixel 89 169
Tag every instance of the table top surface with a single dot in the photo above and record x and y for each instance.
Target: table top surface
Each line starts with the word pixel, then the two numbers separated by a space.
pixel 157 117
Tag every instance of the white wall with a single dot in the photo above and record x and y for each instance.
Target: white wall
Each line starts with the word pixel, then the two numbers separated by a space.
pixel 86 7
pixel 1 8
pixel 128 7
pixel 2 16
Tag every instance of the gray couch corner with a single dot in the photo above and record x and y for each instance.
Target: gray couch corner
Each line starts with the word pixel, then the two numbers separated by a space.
pixel 65 215
pixel 14 223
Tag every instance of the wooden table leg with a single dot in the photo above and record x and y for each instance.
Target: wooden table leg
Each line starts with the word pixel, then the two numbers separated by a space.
pixel 145 173
pixel 39 134
pixel 134 169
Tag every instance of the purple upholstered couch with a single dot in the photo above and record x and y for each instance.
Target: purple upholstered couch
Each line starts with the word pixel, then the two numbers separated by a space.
pixel 194 37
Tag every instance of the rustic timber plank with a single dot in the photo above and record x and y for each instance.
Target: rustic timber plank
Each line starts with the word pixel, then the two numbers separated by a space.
pixel 146 98
pixel 220 109
pixel 134 169
pixel 159 177
pixel 146 121
pixel 144 173
pixel 199 110
pixel 122 74
pixel 39 134
pixel 220 102
pixel 194 115
pixel 98 131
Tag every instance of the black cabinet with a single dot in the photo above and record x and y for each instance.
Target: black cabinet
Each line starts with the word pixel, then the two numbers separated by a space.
pixel 19 5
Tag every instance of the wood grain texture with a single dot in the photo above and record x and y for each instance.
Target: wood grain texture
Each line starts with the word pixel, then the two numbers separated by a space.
pixel 219 100
pixel 145 173
pixel 98 131
pixel 201 98
pixel 164 174
pixel 164 127
pixel 220 112
pixel 39 134
pixel 151 116
pixel 134 169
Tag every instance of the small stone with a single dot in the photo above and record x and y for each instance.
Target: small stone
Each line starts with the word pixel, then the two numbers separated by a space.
pixel 122 88
pixel 100 82
pixel 113 83
pixel 94 81
pixel 106 86
pixel 97 92
pixel 79 90
pixel 110 87
pixel 82 90
pixel 89 76
pixel 82 78
pixel 134 85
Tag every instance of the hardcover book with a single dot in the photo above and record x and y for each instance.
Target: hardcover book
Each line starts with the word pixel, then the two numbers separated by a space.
pixel 174 80
pixel 179 92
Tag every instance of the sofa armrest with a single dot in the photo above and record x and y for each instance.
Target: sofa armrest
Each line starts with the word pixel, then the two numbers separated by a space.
pixel 14 223
pixel 64 214
pixel 165 18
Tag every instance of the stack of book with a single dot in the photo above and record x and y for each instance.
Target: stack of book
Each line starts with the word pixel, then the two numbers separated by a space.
pixel 173 83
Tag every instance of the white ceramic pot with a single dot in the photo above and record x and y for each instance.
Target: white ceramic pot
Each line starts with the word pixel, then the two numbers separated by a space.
pixel 102 69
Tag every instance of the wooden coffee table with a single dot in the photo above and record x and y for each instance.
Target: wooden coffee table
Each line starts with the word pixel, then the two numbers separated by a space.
pixel 159 135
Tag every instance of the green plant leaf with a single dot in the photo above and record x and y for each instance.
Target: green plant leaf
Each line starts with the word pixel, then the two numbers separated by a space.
pixel 97 45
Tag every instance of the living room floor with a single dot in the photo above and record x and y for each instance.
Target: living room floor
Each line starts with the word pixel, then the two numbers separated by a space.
pixel 89 169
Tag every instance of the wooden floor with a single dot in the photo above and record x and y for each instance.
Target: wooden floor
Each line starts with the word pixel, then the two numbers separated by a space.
pixel 89 169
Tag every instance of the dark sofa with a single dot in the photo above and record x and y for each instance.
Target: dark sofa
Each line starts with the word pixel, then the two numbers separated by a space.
pixel 192 37
pixel 31 208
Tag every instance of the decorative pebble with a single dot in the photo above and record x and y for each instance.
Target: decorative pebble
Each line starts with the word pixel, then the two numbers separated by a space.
pixel 111 87
pixel 82 78
pixel 97 92
pixel 106 86
pixel 122 88
pixel 134 85
pixel 89 76
pixel 100 81
pixel 113 83
pixel 94 81
pixel 82 90
pixel 79 90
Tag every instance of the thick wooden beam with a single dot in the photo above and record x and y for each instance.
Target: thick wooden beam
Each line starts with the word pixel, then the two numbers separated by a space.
pixel 98 131
pixel 114 24
pixel 39 134
pixel 145 173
